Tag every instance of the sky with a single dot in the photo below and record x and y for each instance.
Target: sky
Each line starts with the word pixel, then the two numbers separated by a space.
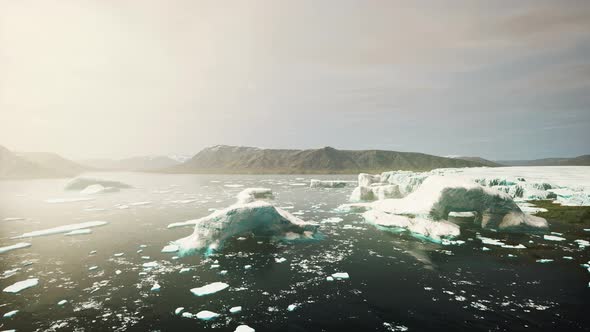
pixel 113 79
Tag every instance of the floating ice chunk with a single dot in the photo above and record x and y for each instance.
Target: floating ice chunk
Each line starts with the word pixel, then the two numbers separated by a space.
pixel 280 260
pixel 82 183
pixel 250 195
pixel 494 242
pixel 469 214
pixel 145 257
pixel 244 328
pixel 150 265
pixel 207 315
pixel 314 183
pixel 156 287
pixel 68 200
pixel 10 314
pixel 185 269
pixel 582 243
pixel 187 315
pixel 119 254
pixel 209 289
pixel 83 231
pixel 568 257
pixel 62 302
pixel 259 217
pixel 92 268
pixel 553 238
pixel 247 267
pixel 170 248
pixel 178 310
pixel 13 219
pixel 333 220
pixel 214 266
pixel 340 275
pixel 233 185
pixel 93 252
pixel 21 285
pixel 235 310
pixel 140 203
pixel 117 272
pixel 544 260
pixel 19 245
pixel 62 229
pixel 94 189
pixel 123 207
pixel 292 307
pixel 223 272
pixel 191 222
pixel 329 278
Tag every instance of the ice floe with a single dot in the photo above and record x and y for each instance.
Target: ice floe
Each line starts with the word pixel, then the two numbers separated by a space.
pixel 235 310
pixel 207 315
pixel 21 285
pixel 15 246
pixel 62 302
pixel 209 289
pixel 10 314
pixel 314 183
pixel 340 275
pixel 62 229
pixel 553 238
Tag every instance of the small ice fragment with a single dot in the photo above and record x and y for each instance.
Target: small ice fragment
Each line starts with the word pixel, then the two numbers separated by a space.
pixel 10 314
pixel 568 257
pixel 209 289
pixel 139 251
pixel 462 214
pixel 244 328
pixel 223 272
pixel 118 272
pixel 178 310
pixel 92 268
pixel 544 260
pixel 214 266
pixel 170 248
pixel 329 279
pixel 241 238
pixel 21 285
pixel 150 265
pixel 235 310
pixel 140 203
pixel 62 302
pixel 233 185
pixel 185 269
pixel 333 220
pixel 142 246
pixel 187 315
pixel 292 307
pixel 92 252
pixel 119 254
pixel 68 200
pixel 13 219
pixel 156 287
pixel 83 231
pixel 280 260
pixel 247 267
pixel 207 315
pixel 19 245
pixel 145 257
pixel 340 275
pixel 553 238
pixel 62 229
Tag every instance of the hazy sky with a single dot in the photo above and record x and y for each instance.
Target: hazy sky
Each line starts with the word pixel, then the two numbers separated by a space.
pixel 116 78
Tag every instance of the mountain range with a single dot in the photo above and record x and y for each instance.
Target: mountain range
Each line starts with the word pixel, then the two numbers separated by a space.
pixel 583 160
pixel 141 163
pixel 250 160
pixel 25 165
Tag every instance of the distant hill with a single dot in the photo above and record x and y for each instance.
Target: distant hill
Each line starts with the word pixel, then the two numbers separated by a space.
pixel 250 160
pixel 24 165
pixel 480 160
pixel 142 163
pixel 576 161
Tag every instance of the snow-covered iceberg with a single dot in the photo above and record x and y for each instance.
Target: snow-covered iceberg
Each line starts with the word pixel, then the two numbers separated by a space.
pixel 425 211
pixel 258 217
pixel 250 195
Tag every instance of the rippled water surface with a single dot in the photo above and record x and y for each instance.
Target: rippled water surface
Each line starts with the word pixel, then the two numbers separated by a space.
pixel 397 282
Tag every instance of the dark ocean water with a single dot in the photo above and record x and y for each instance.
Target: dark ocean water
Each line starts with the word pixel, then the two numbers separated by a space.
pixel 397 282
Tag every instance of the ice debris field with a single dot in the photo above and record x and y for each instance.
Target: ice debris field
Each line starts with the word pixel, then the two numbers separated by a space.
pixel 254 253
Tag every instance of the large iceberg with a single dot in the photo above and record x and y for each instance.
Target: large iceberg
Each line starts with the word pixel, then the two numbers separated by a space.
pixel 259 217
pixel 425 211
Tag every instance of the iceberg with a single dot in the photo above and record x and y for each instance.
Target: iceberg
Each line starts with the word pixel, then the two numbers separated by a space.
pixel 84 183
pixel 250 195
pixel 314 183
pixel 19 245
pixel 235 310
pixel 62 229
pixel 10 314
pixel 260 218
pixel 244 328
pixel 207 315
pixel 21 285
pixel 209 289
pixel 426 209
